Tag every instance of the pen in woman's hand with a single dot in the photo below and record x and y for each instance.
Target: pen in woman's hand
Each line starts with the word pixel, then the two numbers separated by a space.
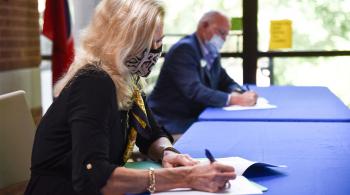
pixel 209 156
pixel 212 159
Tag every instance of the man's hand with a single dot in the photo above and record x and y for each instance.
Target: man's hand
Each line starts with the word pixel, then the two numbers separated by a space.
pixel 248 98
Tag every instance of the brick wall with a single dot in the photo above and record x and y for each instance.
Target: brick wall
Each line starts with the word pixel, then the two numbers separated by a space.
pixel 19 34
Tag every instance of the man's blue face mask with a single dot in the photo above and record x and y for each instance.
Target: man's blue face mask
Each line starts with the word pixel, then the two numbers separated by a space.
pixel 215 44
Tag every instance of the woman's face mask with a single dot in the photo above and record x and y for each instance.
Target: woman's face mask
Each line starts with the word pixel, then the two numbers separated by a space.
pixel 142 63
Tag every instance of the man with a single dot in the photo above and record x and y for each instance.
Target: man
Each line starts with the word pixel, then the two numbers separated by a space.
pixel 192 78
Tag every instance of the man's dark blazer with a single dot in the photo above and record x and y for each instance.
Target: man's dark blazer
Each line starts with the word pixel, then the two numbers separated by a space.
pixel 185 86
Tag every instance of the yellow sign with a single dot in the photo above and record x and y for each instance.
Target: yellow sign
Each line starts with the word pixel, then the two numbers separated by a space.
pixel 280 34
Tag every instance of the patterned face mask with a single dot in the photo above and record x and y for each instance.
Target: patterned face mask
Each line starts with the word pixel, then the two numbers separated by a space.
pixel 142 64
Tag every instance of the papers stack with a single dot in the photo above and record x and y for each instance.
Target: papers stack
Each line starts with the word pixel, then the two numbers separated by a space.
pixel 240 185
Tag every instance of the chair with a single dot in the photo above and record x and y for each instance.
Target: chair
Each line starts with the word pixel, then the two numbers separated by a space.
pixel 17 131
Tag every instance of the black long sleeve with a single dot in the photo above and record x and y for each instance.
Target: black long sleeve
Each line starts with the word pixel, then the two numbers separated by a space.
pixel 89 107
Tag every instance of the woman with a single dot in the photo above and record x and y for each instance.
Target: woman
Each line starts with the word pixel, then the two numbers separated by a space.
pixel 98 115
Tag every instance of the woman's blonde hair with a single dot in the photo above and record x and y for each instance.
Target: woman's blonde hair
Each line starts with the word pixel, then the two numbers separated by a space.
pixel 119 28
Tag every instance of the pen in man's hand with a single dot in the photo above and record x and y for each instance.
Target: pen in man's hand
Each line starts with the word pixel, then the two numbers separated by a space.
pixel 247 87
pixel 209 156
pixel 239 89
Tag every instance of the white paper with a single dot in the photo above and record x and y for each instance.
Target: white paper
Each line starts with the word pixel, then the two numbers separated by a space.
pixel 240 185
pixel 241 164
pixel 261 103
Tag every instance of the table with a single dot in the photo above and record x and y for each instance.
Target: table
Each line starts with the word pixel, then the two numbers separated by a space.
pixel 317 154
pixel 309 104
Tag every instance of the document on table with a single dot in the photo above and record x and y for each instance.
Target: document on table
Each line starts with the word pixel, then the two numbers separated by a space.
pixel 240 185
pixel 241 164
pixel 261 103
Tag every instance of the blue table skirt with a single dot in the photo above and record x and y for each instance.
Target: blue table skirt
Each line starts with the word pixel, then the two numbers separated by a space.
pixel 317 154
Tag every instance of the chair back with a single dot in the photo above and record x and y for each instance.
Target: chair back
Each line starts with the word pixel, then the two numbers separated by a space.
pixel 17 131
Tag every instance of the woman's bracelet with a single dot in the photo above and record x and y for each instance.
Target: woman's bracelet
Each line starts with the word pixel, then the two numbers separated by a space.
pixel 152 180
pixel 170 148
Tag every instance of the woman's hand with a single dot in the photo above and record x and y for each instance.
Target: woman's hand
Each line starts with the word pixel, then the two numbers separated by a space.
pixel 211 177
pixel 172 159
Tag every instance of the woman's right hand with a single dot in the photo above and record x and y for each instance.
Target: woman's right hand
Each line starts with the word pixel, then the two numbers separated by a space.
pixel 210 177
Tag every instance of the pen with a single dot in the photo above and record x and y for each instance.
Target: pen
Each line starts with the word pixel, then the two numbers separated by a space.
pixel 239 89
pixel 247 87
pixel 209 156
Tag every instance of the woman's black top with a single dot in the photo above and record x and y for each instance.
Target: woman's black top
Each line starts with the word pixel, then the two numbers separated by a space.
pixel 82 127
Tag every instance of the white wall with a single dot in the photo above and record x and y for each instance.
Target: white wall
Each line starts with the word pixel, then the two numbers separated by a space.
pixel 83 11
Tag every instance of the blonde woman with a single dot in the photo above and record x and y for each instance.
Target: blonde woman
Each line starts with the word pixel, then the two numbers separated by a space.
pixel 98 115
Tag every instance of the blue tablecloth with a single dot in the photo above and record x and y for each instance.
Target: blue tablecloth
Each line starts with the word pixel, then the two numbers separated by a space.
pixel 317 154
pixel 293 104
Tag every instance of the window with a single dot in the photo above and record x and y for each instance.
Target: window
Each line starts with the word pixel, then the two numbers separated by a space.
pixel 320 25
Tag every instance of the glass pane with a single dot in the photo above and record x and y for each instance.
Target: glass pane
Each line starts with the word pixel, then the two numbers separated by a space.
pixel 182 17
pixel 332 72
pixel 46 84
pixel 234 68
pixel 317 24
pixel 263 73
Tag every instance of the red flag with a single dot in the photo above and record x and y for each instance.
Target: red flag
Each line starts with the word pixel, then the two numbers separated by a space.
pixel 57 27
